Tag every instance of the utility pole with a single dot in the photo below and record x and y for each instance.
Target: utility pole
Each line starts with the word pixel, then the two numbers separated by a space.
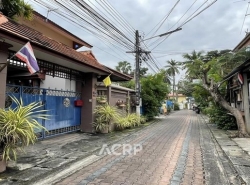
pixel 137 72
pixel 138 51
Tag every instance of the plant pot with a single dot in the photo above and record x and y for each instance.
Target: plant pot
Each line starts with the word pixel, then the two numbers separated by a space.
pixel 3 165
pixel 105 130
pixel 102 101
pixel 122 105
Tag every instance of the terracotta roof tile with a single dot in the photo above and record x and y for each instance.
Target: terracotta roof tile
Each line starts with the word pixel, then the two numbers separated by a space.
pixel 34 36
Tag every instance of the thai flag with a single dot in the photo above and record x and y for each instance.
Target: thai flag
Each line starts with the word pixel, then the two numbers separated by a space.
pixel 26 54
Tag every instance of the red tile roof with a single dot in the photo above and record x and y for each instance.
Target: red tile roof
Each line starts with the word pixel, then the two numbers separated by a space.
pixel 22 31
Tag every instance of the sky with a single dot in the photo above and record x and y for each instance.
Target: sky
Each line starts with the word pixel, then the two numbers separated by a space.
pixel 221 26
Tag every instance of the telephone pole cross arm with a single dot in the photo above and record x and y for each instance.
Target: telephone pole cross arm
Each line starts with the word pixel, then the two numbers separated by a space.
pixel 138 51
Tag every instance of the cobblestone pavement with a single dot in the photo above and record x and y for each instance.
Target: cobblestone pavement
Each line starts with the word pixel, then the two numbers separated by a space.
pixel 172 153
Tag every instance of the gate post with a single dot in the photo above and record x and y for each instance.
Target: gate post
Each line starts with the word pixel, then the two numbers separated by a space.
pixel 21 93
pixel 3 74
pixel 89 98
pixel 44 107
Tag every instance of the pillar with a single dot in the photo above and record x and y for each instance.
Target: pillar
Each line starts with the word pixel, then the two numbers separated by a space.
pixel 3 74
pixel 246 102
pixel 109 94
pixel 89 93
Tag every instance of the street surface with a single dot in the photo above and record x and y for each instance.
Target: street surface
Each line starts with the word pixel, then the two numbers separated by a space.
pixel 177 150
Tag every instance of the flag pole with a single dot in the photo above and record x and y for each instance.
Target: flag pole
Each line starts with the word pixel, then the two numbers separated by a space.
pixel 5 64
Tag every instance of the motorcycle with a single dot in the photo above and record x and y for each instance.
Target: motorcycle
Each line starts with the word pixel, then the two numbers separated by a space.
pixel 196 109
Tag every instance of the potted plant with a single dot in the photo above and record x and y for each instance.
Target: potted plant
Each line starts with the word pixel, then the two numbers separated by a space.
pixel 101 99
pixel 105 114
pixel 120 103
pixel 17 129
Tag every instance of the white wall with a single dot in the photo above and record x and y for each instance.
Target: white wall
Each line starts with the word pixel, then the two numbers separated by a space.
pixel 70 85
pixel 58 83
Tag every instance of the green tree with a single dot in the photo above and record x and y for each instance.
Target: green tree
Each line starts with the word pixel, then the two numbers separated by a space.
pixel 208 69
pixel 143 71
pixel 191 59
pixel 167 77
pixel 153 92
pixel 185 87
pixel 16 8
pixel 124 67
pixel 172 68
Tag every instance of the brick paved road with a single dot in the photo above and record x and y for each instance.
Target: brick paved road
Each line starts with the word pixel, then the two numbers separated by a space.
pixel 172 154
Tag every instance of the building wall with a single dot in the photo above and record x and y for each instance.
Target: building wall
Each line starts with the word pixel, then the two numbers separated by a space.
pixel 58 83
pixel 45 28
pixel 182 99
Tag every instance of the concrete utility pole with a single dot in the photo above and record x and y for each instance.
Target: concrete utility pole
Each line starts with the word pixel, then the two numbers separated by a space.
pixel 137 72
pixel 138 51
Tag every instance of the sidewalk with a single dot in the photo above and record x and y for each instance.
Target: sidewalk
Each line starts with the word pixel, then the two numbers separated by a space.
pixel 237 150
pixel 62 155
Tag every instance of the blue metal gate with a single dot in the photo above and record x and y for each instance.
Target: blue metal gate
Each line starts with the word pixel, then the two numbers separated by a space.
pixel 64 116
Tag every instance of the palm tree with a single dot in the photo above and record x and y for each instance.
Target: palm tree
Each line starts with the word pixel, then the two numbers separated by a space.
pixel 16 8
pixel 192 59
pixel 124 67
pixel 167 78
pixel 173 69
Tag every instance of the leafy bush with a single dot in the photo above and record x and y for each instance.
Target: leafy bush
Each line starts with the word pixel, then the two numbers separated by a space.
pixel 134 119
pixel 153 92
pixel 143 119
pixel 218 115
pixel 122 123
pixel 176 106
pixel 18 127
pixel 105 114
pixel 131 120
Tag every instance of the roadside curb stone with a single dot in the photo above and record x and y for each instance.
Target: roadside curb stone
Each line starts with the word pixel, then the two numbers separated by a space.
pixel 238 157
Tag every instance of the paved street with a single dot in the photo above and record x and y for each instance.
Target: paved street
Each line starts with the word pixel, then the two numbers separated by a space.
pixel 178 149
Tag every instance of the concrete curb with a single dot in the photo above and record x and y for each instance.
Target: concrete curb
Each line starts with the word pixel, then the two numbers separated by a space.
pixel 235 155
pixel 56 176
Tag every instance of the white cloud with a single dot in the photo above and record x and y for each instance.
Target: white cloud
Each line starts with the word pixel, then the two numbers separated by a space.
pixel 218 27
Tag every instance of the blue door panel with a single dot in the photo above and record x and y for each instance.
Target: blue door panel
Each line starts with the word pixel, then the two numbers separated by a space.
pixel 61 115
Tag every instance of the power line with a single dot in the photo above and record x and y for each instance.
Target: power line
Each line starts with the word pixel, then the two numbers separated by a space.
pixel 164 19
pixel 191 17
pixel 93 20
pixel 96 33
pixel 244 17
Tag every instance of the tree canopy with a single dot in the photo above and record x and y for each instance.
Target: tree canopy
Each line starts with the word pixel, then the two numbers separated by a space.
pixel 210 68
pixel 16 8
